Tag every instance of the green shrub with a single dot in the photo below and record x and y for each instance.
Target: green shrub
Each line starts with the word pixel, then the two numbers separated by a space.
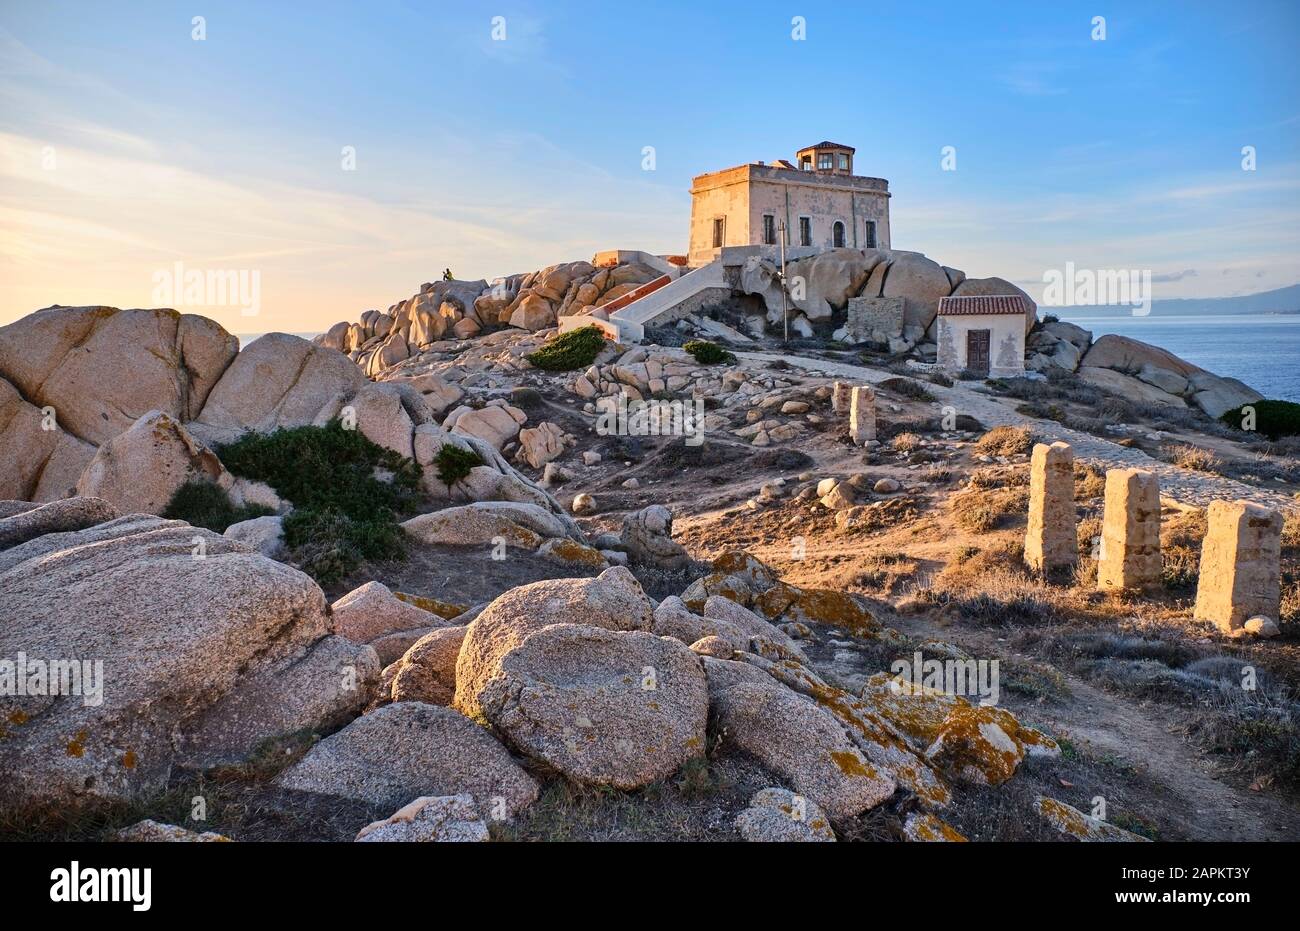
pixel 567 352
pixel 342 512
pixel 1274 419
pixel 203 504
pixel 455 463
pixel 707 353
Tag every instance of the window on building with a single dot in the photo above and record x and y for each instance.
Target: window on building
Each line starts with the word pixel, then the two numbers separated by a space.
pixel 837 234
pixel 824 160
pixel 717 232
pixel 806 163
pixel 805 231
pixel 844 161
pixel 769 230
pixel 869 239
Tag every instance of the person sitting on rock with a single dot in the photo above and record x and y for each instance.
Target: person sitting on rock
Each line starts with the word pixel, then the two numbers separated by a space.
pixel 447 275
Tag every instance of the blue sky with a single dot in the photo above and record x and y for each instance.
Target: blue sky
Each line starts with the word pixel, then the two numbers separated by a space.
pixel 127 146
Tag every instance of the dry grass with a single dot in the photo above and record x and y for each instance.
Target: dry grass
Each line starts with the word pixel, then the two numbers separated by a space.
pixel 980 510
pixel 907 443
pixel 1186 456
pixel 1089 481
pixel 1005 441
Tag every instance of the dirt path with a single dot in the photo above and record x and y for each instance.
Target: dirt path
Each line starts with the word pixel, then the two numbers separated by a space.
pixel 1144 736
pixel 1180 484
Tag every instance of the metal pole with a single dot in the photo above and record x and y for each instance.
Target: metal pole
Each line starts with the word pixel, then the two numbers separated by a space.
pixel 785 319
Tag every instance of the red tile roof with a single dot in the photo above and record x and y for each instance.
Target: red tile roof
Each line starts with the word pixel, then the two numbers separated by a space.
pixel 983 304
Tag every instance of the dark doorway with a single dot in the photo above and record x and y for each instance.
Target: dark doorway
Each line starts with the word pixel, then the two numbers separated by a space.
pixel 977 351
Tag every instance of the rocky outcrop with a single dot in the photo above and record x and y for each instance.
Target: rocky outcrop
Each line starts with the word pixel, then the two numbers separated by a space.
pixel 647 537
pixel 277 381
pixel 39 460
pixel 139 470
pixel 409 750
pixel 612 601
pixel 427 671
pixel 160 623
pixel 1138 370
pixel 56 517
pixel 604 707
pixel 101 368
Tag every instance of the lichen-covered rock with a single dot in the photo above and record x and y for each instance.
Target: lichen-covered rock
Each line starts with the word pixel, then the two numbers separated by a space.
pixel 180 617
pixel 800 742
pixel 613 601
pixel 759 636
pixel 778 815
pixel 431 819
pixel 604 707
pixel 923 827
pixel 844 610
pixel 757 575
pixel 372 610
pixel 54 517
pixel 878 740
pixel 408 750
pixel 572 552
pixel 1083 827
pixel 713 646
pixel 139 470
pixel 732 587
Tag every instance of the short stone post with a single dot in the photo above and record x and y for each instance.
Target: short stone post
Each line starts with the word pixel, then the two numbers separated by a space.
pixel 1130 531
pixel 1050 540
pixel 862 415
pixel 841 393
pixel 1241 564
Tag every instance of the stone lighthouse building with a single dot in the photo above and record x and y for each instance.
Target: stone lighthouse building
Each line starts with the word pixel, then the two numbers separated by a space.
pixel 822 203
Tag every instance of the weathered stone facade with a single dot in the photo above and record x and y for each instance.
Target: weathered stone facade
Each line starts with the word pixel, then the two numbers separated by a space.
pixel 1241 557
pixel 1050 540
pixel 1130 533
pixel 875 319
pixel 835 208
pixel 862 415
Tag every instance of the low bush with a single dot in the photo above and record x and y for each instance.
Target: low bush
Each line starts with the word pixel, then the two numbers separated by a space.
pixel 570 351
pixel 1274 419
pixel 203 504
pixel 454 463
pixel 707 353
pixel 347 493
pixel 1005 441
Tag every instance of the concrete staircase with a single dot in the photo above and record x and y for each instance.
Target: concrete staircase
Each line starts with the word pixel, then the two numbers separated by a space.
pixel 659 301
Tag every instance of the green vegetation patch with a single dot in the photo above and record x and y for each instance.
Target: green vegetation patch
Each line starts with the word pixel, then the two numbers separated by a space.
pixel 203 504
pixel 1274 419
pixel 454 463
pixel 570 351
pixel 343 511
pixel 707 353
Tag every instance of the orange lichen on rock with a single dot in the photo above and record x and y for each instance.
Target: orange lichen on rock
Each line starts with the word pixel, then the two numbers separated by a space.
pixel 923 827
pixel 818 605
pixel 444 609
pixel 1075 823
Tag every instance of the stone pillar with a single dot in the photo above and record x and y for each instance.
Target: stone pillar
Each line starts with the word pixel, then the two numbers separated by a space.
pixel 1241 559
pixel 841 392
pixel 862 415
pixel 1130 531
pixel 1050 540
